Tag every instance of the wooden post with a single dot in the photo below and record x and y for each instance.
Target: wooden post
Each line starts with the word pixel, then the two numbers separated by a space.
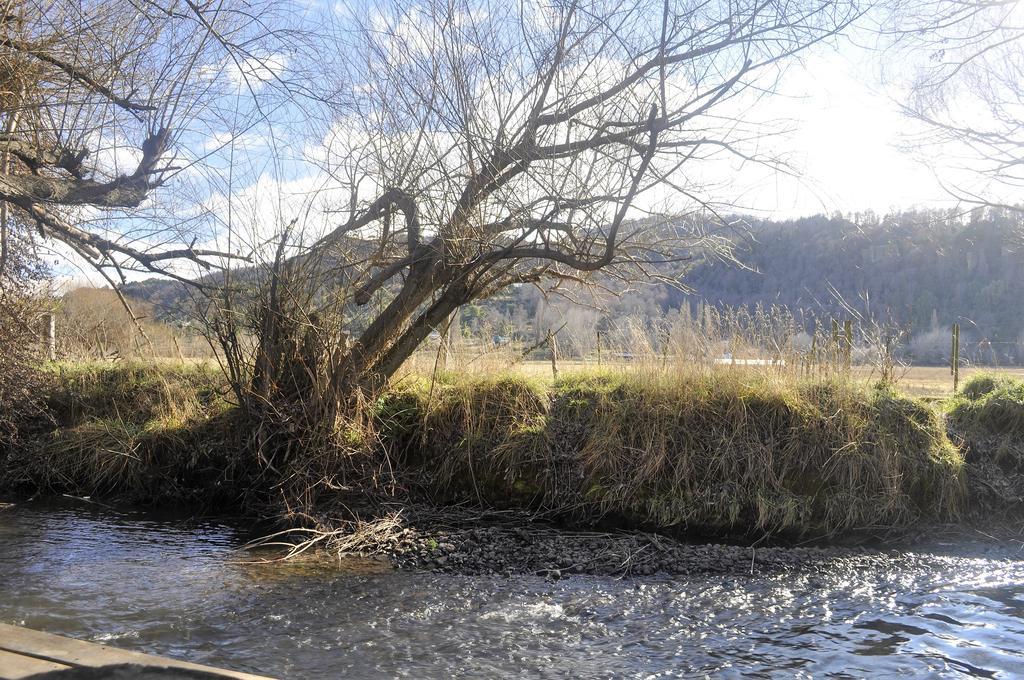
pixel 446 341
pixel 848 349
pixel 49 320
pixel 836 349
pixel 553 346
pixel 599 349
pixel 812 362
pixel 954 357
pixel 888 365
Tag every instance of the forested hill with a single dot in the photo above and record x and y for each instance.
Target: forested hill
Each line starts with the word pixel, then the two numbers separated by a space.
pixel 920 268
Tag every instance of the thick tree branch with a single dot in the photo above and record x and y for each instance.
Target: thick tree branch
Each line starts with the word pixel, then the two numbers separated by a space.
pixel 126 191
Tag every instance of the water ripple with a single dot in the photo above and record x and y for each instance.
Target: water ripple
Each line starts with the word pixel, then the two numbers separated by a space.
pixel 175 587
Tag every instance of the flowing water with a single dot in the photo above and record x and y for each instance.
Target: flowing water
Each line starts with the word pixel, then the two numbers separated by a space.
pixel 180 588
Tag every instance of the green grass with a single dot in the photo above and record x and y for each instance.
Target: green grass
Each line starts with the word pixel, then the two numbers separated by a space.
pixel 990 405
pixel 136 391
pixel 988 414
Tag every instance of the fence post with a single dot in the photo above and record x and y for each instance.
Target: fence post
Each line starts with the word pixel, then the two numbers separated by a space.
pixel 812 359
pixel 50 335
pixel 954 357
pixel 848 350
pixel 598 349
pixel 553 346
pixel 836 349
pixel 888 364
pixel 447 339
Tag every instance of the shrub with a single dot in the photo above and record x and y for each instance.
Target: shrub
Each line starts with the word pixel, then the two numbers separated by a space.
pixel 21 381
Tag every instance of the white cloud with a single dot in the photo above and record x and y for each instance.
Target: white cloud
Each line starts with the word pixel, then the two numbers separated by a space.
pixel 255 71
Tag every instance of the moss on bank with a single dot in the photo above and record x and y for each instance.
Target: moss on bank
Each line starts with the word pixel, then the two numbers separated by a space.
pixel 719 452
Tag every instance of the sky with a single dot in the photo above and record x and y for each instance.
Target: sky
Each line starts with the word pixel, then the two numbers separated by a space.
pixel 847 139
pixel 845 145
pixel 847 142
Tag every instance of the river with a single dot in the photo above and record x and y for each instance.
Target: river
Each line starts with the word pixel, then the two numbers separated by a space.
pixel 180 587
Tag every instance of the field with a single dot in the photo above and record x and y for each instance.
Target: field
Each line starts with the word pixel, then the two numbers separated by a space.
pixel 935 381
pixel 918 381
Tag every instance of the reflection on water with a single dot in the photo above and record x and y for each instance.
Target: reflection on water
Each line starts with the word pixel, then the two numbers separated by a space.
pixel 179 588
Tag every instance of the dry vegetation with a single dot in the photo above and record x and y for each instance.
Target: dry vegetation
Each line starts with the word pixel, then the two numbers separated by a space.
pixel 657 436
pixel 93 323
pixel 774 336
pixel 718 450
pixel 734 451
pixel 918 381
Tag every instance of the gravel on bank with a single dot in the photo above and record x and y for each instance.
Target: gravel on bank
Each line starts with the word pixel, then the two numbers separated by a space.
pixel 514 544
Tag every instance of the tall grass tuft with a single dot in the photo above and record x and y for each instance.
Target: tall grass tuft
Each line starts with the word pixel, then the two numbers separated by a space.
pixel 988 413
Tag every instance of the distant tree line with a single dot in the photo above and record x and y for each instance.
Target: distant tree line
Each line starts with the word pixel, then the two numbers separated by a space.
pixel 915 272
pixel 919 271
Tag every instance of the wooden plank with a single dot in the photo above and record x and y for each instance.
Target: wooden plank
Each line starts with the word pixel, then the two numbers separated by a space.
pixel 70 652
pixel 16 666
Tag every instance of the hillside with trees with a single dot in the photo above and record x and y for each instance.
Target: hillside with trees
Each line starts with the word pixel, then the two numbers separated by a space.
pixel 920 271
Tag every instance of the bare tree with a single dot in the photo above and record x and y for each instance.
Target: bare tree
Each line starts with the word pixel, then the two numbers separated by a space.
pixel 967 92
pixel 491 144
pixel 99 99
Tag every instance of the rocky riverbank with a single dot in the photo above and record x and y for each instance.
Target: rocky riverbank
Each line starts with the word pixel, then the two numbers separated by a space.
pixel 512 543
pixel 552 553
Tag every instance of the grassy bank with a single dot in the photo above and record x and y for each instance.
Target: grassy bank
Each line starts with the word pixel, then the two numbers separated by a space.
pixel 987 416
pixel 711 452
pixel 156 432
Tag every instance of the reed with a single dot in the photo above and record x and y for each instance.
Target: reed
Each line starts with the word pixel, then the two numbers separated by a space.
pixel 794 343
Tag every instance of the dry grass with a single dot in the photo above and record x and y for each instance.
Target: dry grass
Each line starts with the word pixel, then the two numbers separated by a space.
pixel 919 381
pixel 92 323
pixel 842 350
pixel 709 450
pixel 935 381
pixel 147 431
